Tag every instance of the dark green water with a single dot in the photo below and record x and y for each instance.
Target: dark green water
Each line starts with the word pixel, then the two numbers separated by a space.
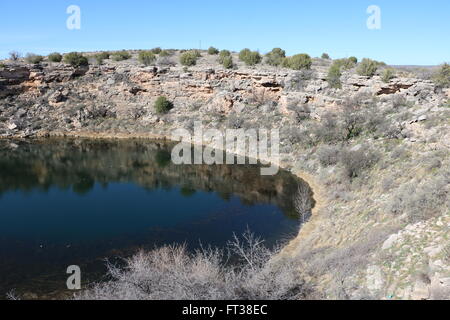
pixel 78 202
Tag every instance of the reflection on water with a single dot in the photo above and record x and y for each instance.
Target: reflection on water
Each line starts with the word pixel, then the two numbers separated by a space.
pixel 66 202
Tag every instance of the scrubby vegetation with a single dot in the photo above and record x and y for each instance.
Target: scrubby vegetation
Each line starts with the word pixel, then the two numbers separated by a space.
pixel 298 62
pixel 121 55
pixel 387 75
pixel 34 58
pixel 251 58
pixel 228 62
pixel 163 105
pixel 334 76
pixel 223 55
pixel 55 57
pixel 325 56
pixel 367 67
pixel 156 50
pixel 189 58
pixel 172 273
pixel 346 63
pixel 275 57
pixel 442 77
pixel 101 57
pixel 213 51
pixel 147 57
pixel 75 59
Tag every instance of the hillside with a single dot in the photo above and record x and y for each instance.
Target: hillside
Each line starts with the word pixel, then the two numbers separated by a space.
pixel 375 152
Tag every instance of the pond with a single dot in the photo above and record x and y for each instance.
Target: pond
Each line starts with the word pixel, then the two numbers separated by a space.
pixel 78 202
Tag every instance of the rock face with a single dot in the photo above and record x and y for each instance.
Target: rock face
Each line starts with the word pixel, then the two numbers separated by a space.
pixel 49 97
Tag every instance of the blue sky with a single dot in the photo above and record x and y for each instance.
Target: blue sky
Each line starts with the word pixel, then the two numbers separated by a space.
pixel 412 32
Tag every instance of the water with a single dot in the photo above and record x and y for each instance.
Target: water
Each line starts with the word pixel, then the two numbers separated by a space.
pixel 78 202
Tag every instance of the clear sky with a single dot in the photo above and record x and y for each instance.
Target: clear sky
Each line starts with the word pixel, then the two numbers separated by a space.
pixel 412 32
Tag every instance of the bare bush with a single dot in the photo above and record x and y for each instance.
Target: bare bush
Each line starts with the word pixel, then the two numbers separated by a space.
pixel 328 155
pixel 422 201
pixel 356 161
pixel 172 273
pixel 14 55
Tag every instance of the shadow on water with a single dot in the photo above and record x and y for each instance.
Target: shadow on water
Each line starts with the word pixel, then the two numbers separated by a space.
pixel 76 202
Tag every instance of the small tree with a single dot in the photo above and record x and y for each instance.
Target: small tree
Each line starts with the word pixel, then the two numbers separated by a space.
pixel 300 61
pixel 163 105
pixel 55 57
pixel 353 59
pixel 34 58
pixel 250 58
pixel 228 62
pixel 75 59
pixel 147 57
pixel 213 51
pixel 275 57
pixel 156 50
pixel 121 55
pixel 388 75
pixel 442 77
pixel 14 55
pixel 244 53
pixel 334 76
pixel 189 58
pixel 367 68
pixel 326 56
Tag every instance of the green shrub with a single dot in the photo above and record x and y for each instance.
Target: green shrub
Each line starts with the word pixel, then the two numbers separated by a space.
pixel 442 77
pixel 353 59
pixel 121 55
pixel 162 105
pixel 55 57
pixel 250 58
pixel 189 58
pixel 334 76
pixel 346 64
pixel 299 62
pixel 227 62
pixel 325 56
pixel 165 53
pixel 367 67
pixel 156 50
pixel 224 54
pixel 275 57
pixel 147 57
pixel 75 59
pixel 104 55
pixel 34 58
pixel 244 53
pixel 387 75
pixel 213 51
pixel 100 57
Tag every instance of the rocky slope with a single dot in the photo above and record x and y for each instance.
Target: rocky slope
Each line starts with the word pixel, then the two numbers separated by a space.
pixel 381 227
